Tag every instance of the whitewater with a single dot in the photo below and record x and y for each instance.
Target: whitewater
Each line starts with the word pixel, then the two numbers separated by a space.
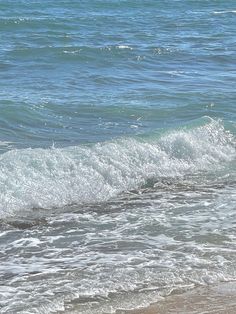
pixel 47 178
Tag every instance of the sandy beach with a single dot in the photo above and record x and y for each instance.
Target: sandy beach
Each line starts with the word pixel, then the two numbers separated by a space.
pixel 217 299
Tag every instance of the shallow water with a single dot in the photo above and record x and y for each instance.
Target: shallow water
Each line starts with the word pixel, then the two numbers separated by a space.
pixel 218 299
pixel 117 141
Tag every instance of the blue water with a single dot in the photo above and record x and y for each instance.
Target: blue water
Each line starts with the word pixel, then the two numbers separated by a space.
pixel 117 152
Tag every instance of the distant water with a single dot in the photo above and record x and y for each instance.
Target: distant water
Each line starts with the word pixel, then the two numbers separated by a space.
pixel 117 152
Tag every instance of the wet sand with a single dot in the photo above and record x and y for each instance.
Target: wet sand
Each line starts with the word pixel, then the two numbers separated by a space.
pixel 217 299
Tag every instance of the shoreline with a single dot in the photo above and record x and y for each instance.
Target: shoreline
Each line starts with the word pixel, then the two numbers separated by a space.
pixel 217 299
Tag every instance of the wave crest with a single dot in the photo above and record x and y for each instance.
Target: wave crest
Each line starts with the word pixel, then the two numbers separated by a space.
pixel 47 178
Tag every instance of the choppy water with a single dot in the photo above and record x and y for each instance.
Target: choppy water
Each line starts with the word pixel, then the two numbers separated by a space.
pixel 118 152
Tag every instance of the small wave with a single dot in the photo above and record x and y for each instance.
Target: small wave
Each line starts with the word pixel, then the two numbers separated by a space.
pixel 48 178
pixel 124 47
pixel 225 12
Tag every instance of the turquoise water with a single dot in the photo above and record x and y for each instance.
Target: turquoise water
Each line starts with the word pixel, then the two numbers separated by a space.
pixel 117 152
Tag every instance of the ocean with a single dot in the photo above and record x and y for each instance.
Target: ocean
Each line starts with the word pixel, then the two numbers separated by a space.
pixel 117 152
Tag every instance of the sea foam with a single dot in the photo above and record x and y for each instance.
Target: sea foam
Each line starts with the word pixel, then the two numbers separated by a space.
pixel 55 177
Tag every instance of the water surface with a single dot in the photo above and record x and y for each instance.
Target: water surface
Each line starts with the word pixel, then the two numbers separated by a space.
pixel 117 152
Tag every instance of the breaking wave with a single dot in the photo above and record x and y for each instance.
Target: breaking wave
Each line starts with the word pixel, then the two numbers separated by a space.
pixel 55 177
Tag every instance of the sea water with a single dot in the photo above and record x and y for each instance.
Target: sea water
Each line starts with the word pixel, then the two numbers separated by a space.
pixel 117 152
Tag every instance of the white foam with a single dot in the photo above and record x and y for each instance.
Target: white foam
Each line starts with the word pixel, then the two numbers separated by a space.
pixel 124 47
pixel 32 178
pixel 225 12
